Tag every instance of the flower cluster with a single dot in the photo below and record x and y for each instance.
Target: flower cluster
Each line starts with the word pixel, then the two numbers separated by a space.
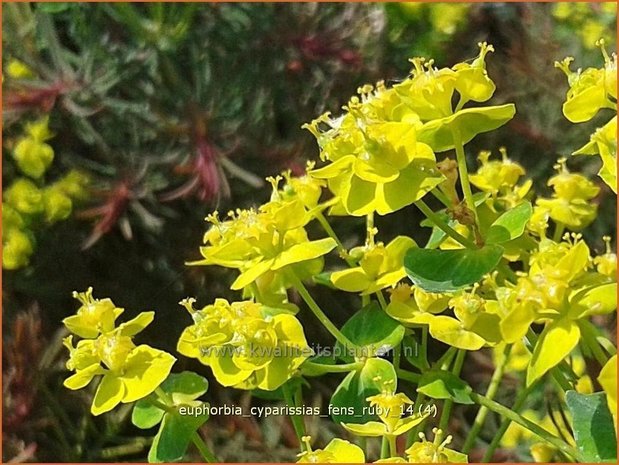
pixel 590 91
pixel 381 151
pixel 26 201
pixel 472 328
pixel 32 154
pixel 25 204
pixel 128 372
pixel 265 244
pixel 570 204
pixel 245 347
pixel 499 178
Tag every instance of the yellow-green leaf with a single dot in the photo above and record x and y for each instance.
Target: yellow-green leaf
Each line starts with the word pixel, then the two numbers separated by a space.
pixel 554 344
pixel 371 428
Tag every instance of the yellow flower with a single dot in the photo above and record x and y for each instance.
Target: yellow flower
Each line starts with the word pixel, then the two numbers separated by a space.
pixel 16 249
pixel 436 451
pixel 380 266
pixel 24 196
pixel 263 244
pixel 571 202
pixel 496 176
pixel 244 347
pixel 17 69
pixel 337 451
pixel 590 90
pixel 606 264
pixel 604 142
pixel 390 408
pixel 93 317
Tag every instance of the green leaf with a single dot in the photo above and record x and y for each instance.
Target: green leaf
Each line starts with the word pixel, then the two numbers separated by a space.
pixel 450 270
pixel 452 332
pixel 145 414
pixel 170 443
pixel 373 331
pixel 350 396
pixel 52 8
pixel 184 387
pixel 415 352
pixel 324 279
pixel 510 225
pixel 594 431
pixel 439 384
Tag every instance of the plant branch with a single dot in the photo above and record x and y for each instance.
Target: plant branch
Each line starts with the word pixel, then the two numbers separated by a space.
pixel 315 308
pixel 480 418
pixel 528 424
pixel 443 226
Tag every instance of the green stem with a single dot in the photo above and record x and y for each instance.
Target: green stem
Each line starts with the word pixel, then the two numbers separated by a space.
pixel 311 303
pixel 393 449
pixel 205 452
pixel 463 172
pixel 384 448
pixel 528 424
pixel 424 345
pixel 134 447
pixel 318 369
pixel 297 420
pixel 507 272
pixel 559 228
pixel 446 358
pixel 436 192
pixel 493 387
pixel 505 422
pixel 444 421
pixel 381 299
pixel 163 396
pixel 407 375
pixel 340 247
pixel 439 223
pixel 413 434
pixel 369 222
pixel 397 356
pixel 590 339
pixel 461 102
